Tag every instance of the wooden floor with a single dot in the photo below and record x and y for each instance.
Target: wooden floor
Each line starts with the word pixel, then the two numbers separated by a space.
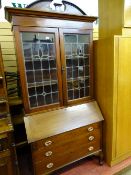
pixel 87 166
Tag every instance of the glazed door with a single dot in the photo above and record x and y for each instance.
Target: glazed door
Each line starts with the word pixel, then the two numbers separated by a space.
pixel 76 65
pixel 40 67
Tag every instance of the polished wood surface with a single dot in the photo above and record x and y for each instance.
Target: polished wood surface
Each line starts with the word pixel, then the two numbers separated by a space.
pixel 56 151
pixel 123 104
pixel 47 22
pixel 68 137
pixel 54 135
pixel 9 12
pixel 112 80
pixel 65 142
pixel 104 90
pixel 44 167
pixel 61 120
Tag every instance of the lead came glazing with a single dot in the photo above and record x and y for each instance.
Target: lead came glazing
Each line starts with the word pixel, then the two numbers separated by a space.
pixel 40 68
pixel 77 65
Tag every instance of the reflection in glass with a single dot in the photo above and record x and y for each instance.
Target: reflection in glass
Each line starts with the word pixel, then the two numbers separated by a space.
pixel 33 101
pixel 31 91
pixel 86 48
pixel 51 49
pixel 44 49
pixel 77 65
pixel 46 75
pixel 48 99
pixel 75 61
pixel 70 94
pixel 29 65
pixel 37 64
pixel 30 76
pixel 81 92
pixel 82 38
pixel 69 73
pixel 70 38
pixel 74 49
pixel 41 70
pixel 47 88
pixel 45 64
pixel 53 74
pixel 52 64
pixel 27 50
pixel 75 72
pixel 38 76
pixel 55 97
pixel 69 62
pixel 67 49
pixel 40 99
pixel 70 85
pixel 54 87
pixel 39 90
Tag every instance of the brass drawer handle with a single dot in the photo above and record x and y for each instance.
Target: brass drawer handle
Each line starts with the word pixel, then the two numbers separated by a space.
pixel 50 165
pixel 91 138
pixel 48 153
pixel 91 148
pixel 48 143
pixel 90 129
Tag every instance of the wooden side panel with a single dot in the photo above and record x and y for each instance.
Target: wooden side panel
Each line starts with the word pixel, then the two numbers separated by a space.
pixel 123 145
pixel 103 88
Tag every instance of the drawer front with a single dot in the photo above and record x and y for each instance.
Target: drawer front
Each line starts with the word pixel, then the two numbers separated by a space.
pixel 80 140
pixel 58 161
pixel 69 136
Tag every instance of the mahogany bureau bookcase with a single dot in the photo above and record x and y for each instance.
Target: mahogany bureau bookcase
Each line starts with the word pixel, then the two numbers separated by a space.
pixel 54 51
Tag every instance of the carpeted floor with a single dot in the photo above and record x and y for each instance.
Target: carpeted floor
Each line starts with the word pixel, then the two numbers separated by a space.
pixel 125 171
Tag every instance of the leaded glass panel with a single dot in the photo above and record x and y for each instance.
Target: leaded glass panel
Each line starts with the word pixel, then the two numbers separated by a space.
pixel 77 65
pixel 40 68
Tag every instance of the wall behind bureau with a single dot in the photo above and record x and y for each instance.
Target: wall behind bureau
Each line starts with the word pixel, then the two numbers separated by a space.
pixel 9 58
pixel 7 46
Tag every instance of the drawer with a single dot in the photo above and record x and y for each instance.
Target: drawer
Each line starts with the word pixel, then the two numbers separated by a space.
pixel 80 141
pixel 65 158
pixel 66 137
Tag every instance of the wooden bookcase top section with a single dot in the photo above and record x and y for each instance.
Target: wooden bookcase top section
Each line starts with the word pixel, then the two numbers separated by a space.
pixel 9 12
pixel 58 121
